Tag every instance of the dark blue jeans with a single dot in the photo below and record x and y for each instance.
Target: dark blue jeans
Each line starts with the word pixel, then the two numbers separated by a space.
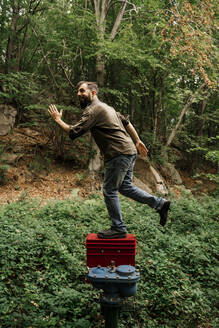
pixel 118 177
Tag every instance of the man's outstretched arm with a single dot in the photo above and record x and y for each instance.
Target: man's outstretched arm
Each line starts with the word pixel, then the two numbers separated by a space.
pixel 57 116
pixel 138 143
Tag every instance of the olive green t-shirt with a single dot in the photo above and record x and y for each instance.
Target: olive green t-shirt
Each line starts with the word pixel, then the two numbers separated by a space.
pixel 107 128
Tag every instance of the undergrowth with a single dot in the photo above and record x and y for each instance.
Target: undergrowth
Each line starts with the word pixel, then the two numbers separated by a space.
pixel 43 264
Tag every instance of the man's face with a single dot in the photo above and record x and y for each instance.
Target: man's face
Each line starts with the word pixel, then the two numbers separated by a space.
pixel 84 95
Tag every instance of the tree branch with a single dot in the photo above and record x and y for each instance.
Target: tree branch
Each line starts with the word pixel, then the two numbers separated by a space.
pixel 184 110
pixel 105 6
pixel 97 10
pixel 66 75
pixel 32 56
pixel 118 1
pixel 62 64
pixel 118 20
pixel 44 57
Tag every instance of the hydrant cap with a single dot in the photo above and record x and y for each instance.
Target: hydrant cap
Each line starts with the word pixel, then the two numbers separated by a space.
pixel 125 270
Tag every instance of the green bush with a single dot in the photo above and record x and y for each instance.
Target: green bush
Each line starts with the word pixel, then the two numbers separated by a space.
pixel 43 264
pixel 18 87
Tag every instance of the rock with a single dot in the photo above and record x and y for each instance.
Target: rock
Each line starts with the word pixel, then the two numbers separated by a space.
pixel 7 119
pixel 159 182
pixel 149 176
pixel 96 162
pixel 171 174
pixel 142 171
pixel 138 183
pixel 156 175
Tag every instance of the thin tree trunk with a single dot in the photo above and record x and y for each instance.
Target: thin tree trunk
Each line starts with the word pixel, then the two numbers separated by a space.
pixel 158 122
pixel 100 13
pixel 45 59
pixel 161 114
pixel 200 120
pixel 100 65
pixel 132 105
pixel 10 51
pixel 118 20
pixel 22 48
pixel 101 9
pixel 142 114
pixel 184 110
pixel 155 109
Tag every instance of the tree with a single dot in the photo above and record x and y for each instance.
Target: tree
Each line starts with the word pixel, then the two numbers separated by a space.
pixel 107 27
pixel 15 23
pixel 151 59
pixel 189 37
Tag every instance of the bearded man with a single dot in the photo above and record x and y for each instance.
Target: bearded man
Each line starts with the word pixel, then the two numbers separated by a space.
pixel 118 142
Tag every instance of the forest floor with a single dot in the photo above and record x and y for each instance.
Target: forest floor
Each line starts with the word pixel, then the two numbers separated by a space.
pixel 34 176
pixel 32 173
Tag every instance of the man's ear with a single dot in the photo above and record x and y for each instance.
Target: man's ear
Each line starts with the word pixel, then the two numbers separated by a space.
pixel 93 92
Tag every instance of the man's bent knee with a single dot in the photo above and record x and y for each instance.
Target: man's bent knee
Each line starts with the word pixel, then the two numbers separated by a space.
pixel 108 192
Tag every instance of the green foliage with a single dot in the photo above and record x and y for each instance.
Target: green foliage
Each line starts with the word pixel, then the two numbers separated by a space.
pixel 114 97
pixel 213 155
pixel 18 88
pixel 157 151
pixel 161 53
pixel 43 264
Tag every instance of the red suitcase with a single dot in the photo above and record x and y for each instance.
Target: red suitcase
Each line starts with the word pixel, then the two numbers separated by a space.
pixel 103 251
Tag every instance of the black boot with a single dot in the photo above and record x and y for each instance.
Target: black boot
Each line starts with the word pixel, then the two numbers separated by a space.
pixel 111 234
pixel 164 212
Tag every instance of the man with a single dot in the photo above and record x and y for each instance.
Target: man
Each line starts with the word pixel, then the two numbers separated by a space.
pixel 118 142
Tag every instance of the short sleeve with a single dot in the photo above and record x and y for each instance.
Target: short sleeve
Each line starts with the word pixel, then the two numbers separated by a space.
pixel 86 122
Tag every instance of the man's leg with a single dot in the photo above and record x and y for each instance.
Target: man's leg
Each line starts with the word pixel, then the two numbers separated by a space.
pixel 115 171
pixel 127 189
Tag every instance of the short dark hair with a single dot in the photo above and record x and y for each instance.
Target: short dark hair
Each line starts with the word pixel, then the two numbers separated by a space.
pixel 91 85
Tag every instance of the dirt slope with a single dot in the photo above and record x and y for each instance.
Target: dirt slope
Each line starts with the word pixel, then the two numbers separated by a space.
pixel 35 171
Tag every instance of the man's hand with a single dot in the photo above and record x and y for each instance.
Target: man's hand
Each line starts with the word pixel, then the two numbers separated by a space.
pixel 141 148
pixel 55 114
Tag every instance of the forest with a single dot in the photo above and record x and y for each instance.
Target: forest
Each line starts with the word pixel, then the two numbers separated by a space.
pixel 155 61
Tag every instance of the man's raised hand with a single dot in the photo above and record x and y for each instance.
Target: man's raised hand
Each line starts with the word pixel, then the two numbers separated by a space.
pixel 55 114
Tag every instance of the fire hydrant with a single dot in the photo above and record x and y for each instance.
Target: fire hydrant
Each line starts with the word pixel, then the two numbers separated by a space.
pixel 117 284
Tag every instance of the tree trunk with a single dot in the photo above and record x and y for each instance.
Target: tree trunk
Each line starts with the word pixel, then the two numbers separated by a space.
pixel 132 107
pixel 101 9
pixel 100 70
pixel 161 114
pixel 21 57
pixel 142 114
pixel 200 120
pixel 184 110
pixel 118 20
pixel 45 59
pixel 11 44
pixel 155 109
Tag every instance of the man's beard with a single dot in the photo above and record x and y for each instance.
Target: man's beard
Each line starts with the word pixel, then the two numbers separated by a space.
pixel 84 101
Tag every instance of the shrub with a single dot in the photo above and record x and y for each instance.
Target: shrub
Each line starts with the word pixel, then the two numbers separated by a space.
pixel 43 264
